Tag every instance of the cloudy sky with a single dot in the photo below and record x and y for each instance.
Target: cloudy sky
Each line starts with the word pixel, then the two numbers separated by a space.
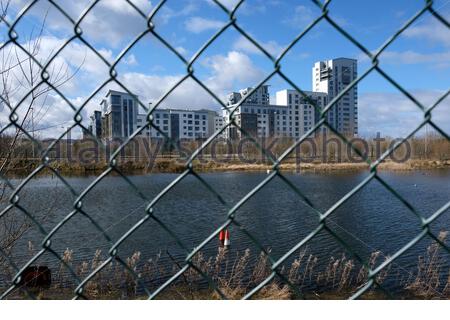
pixel 419 59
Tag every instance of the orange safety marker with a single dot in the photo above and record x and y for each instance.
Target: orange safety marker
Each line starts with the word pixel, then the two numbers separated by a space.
pixel 227 241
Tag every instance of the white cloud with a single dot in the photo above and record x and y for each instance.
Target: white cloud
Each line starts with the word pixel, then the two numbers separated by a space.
pixel 199 24
pixel 231 70
pixel 301 16
pixel 431 30
pixel 438 59
pixel 230 4
pixel 131 60
pixel 242 44
pixel 151 88
pixel 50 109
pixel 225 73
pixel 109 22
pixel 75 54
pixel 166 13
pixel 254 7
pixel 183 51
pixel 393 114
pixel 52 116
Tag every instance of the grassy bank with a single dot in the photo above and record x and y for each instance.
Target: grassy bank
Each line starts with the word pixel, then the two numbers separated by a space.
pixel 176 166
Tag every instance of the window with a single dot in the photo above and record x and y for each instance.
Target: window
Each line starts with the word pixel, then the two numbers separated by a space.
pixel 115 99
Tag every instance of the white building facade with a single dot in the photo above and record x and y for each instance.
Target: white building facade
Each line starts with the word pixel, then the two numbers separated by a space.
pixel 179 124
pixel 331 77
pixel 291 116
pixel 119 118
pixel 301 115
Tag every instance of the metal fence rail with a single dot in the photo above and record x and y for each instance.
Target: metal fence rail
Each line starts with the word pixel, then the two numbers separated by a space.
pixel 149 214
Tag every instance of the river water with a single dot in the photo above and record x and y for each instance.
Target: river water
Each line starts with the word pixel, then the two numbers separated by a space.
pixel 372 220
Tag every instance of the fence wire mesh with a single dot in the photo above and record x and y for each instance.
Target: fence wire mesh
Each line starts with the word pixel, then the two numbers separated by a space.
pixel 150 203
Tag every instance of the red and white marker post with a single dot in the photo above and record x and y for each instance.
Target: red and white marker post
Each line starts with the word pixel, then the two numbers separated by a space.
pixel 227 241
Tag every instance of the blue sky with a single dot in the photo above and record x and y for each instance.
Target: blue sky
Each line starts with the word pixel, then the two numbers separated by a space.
pixel 419 59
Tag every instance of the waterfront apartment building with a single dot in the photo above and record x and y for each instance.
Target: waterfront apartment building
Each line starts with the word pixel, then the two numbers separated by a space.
pixel 255 107
pixel 259 97
pixel 301 113
pixel 179 124
pixel 291 116
pixel 119 114
pixel 331 77
pixel 119 118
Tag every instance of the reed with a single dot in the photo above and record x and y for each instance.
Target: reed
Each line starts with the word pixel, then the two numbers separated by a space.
pixel 236 274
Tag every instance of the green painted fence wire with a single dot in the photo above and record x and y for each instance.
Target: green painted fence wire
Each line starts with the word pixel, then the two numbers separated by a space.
pixel 150 213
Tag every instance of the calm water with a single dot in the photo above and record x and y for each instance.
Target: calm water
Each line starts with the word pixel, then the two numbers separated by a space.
pixel 372 220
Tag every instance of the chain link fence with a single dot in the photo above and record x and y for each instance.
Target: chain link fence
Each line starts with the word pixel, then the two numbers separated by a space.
pixel 148 214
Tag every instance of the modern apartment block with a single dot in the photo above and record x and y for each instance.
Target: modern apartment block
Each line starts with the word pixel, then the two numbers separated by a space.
pixel 119 118
pixel 249 115
pixel 119 114
pixel 179 124
pixel 259 97
pixel 331 77
pixel 291 116
pixel 301 115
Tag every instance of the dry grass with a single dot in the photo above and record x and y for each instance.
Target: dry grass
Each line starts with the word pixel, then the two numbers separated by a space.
pixel 236 274
pixel 427 282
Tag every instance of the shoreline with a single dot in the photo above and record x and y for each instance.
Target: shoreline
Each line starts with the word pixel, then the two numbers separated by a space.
pixel 174 166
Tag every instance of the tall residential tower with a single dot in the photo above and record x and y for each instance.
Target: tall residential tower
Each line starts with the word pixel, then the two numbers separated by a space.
pixel 331 77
